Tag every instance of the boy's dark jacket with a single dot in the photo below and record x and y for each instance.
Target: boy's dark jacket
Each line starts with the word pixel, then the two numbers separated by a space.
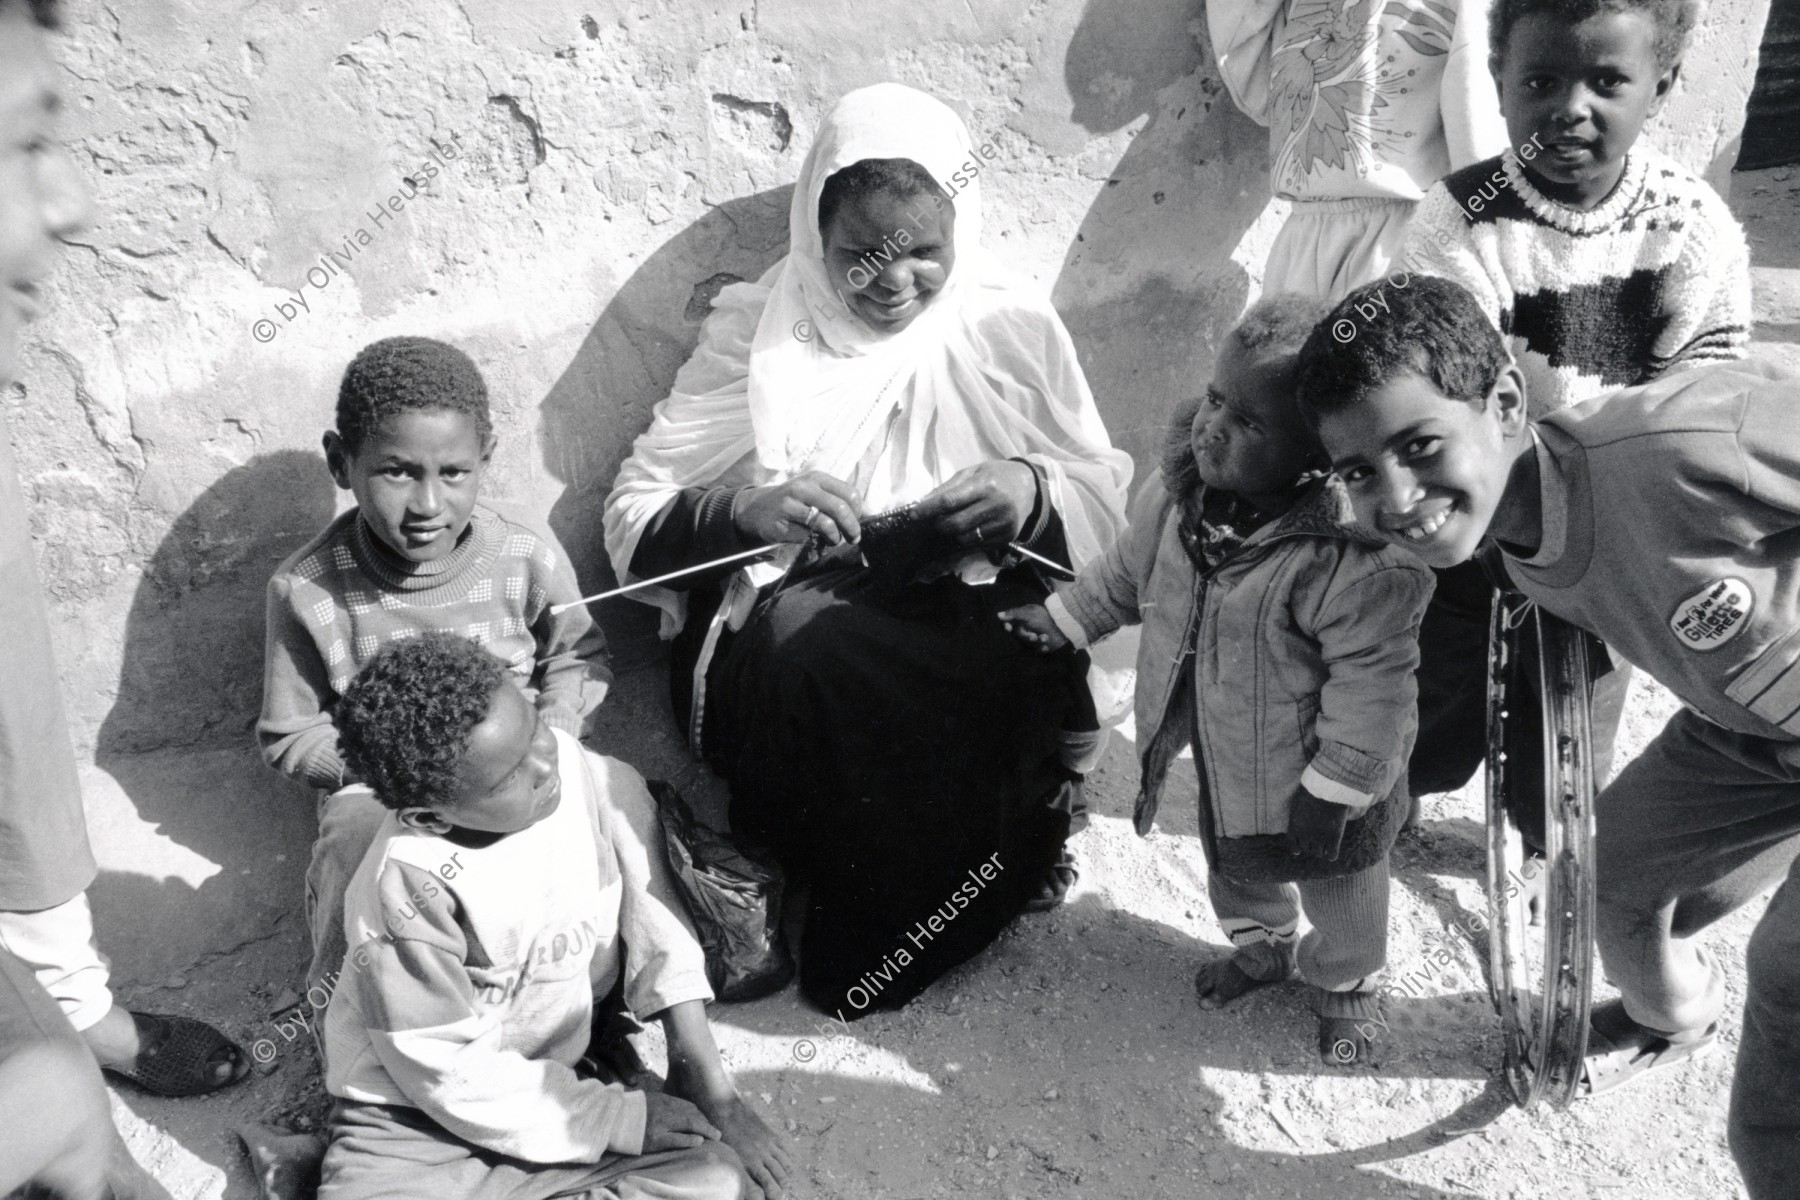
pixel 1303 645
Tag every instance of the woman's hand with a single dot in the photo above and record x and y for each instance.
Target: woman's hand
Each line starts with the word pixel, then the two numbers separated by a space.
pixel 983 505
pixel 794 511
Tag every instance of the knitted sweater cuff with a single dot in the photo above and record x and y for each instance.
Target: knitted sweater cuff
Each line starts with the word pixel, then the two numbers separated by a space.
pixel 322 766
pixel 563 719
pixel 1333 792
pixel 1065 621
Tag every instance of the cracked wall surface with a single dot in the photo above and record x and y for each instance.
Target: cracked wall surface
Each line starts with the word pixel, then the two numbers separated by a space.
pixel 560 188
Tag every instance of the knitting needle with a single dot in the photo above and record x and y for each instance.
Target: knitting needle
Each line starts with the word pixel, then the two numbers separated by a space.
pixel 559 609
pixel 1054 566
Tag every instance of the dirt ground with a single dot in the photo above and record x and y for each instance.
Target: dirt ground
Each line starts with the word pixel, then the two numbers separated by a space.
pixel 1071 1060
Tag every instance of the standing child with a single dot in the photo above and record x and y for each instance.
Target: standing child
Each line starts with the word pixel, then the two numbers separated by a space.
pixel 418 552
pixel 1662 519
pixel 1368 103
pixel 46 864
pixel 513 877
pixel 1603 262
pixel 1250 581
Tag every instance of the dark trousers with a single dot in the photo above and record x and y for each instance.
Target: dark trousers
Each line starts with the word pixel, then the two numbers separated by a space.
pixel 1694 828
pixel 1452 679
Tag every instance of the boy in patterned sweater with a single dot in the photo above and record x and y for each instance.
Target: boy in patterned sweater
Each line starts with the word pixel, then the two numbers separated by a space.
pixel 1603 263
pixel 417 553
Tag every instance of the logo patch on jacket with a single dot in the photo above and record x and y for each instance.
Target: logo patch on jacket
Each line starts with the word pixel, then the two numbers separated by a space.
pixel 1713 615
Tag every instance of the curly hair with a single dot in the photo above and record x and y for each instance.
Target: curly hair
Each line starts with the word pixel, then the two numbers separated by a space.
pixel 1432 328
pixel 408 374
pixel 900 177
pixel 405 720
pixel 1675 20
pixel 47 13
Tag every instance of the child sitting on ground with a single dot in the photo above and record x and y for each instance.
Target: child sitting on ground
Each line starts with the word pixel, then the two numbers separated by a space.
pixel 1602 261
pixel 1662 519
pixel 418 552
pixel 514 877
pixel 1302 793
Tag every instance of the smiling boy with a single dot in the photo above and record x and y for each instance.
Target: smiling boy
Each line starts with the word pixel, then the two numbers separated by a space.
pixel 514 877
pixel 1665 520
pixel 1603 262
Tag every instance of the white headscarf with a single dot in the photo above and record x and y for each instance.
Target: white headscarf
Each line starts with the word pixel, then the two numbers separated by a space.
pixel 787 379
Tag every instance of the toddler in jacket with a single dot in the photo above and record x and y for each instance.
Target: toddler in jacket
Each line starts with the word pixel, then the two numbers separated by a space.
pixel 1280 641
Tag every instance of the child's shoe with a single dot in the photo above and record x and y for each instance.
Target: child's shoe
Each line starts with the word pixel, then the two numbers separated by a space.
pixel 1348 1025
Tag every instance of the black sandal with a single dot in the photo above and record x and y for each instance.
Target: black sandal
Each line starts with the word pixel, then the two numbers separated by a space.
pixel 177 1056
pixel 1058 878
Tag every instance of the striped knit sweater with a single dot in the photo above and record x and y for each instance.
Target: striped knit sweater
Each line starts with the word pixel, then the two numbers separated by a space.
pixel 344 595
pixel 1656 277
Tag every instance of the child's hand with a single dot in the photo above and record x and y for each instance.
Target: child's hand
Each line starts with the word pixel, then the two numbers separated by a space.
pixel 1033 626
pixel 696 1070
pixel 1316 826
pixel 764 1153
pixel 671 1123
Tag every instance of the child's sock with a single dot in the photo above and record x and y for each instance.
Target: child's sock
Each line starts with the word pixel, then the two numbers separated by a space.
pixel 1250 966
pixel 1348 1025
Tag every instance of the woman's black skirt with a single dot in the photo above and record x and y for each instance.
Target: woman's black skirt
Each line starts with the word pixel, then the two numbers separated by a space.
pixel 897 749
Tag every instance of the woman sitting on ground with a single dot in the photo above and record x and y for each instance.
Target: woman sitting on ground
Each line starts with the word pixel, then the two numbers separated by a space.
pixel 880 731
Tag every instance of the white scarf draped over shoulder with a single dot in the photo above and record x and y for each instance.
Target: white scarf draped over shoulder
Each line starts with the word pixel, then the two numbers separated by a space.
pixel 787 380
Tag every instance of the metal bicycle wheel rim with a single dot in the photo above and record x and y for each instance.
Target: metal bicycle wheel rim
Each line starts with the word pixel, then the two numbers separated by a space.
pixel 1545 1021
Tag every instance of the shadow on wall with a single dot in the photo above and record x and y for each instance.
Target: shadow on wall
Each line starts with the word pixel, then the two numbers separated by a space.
pixel 192 669
pixel 626 363
pixel 191 681
pixel 1149 285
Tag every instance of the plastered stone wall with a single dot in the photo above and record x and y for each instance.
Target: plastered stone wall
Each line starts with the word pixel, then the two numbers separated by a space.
pixel 559 187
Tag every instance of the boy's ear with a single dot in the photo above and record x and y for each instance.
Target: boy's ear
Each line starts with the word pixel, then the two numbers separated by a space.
pixel 425 820
pixel 337 458
pixel 1664 86
pixel 1508 398
pixel 487 450
pixel 1494 70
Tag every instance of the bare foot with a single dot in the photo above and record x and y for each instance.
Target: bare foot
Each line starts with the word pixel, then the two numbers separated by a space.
pixel 764 1153
pixel 1223 980
pixel 287 1164
pixel 113 1039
